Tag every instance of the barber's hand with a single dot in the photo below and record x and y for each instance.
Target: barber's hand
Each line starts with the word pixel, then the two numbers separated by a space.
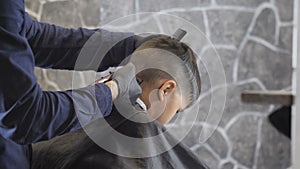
pixel 127 83
pixel 113 88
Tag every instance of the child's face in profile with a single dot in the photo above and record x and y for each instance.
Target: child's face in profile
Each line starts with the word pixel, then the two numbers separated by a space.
pixel 174 105
pixel 163 103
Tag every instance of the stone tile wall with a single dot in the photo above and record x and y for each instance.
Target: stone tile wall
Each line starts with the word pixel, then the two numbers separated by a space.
pixel 254 41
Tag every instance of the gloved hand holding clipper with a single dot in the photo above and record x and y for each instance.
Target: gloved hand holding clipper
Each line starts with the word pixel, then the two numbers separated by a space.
pixel 123 83
pixel 127 84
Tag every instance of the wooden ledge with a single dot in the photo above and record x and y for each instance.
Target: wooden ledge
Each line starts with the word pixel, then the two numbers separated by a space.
pixel 268 97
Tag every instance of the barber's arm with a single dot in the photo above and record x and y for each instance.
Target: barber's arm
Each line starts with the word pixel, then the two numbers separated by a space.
pixel 58 48
pixel 28 114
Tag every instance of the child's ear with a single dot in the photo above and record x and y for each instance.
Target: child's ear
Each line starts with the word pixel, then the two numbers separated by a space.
pixel 167 88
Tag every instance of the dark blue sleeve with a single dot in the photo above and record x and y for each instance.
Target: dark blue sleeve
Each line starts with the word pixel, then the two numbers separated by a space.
pixel 58 48
pixel 28 114
pixel 14 156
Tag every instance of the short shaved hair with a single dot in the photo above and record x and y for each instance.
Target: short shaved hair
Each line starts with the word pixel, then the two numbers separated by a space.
pixel 182 51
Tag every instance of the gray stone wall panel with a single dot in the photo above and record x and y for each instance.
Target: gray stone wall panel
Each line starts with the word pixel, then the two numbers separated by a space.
pixel 254 41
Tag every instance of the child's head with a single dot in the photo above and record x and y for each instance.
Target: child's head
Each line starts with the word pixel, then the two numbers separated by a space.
pixel 170 78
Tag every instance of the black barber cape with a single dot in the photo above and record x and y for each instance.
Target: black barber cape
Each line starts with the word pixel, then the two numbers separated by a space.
pixel 77 150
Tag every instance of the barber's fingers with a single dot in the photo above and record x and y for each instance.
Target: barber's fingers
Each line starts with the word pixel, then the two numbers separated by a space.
pixel 134 91
pixel 125 73
pixel 124 78
pixel 103 79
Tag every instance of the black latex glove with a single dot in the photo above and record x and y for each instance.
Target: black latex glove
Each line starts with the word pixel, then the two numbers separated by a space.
pixel 128 86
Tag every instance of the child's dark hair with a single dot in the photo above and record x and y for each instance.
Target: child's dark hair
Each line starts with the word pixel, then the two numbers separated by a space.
pixel 181 50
